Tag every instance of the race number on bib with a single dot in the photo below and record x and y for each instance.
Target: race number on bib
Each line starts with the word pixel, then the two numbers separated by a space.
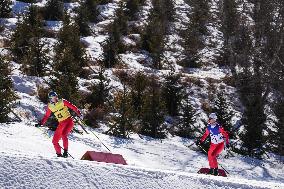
pixel 216 139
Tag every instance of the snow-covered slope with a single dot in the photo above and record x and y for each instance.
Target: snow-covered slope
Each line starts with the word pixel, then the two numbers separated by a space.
pixel 27 157
pixel 27 160
pixel 39 172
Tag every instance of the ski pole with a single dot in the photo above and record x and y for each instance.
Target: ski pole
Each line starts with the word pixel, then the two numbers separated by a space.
pixel 190 145
pixel 78 121
pixel 219 163
pixel 59 145
pixel 83 124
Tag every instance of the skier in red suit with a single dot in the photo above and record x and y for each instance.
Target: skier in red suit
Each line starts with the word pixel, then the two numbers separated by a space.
pixel 60 108
pixel 217 134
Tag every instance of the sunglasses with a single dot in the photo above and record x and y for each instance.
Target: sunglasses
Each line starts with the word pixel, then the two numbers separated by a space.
pixel 52 97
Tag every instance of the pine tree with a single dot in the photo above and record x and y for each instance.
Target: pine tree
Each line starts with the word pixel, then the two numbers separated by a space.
pixel 153 41
pixel 86 12
pixel 7 95
pixel 69 37
pixel 100 91
pixel 91 9
pixel 110 54
pixel 65 73
pixel 153 36
pixel 169 14
pixel 224 111
pixel 253 116
pixel 120 23
pixel 114 46
pixel 5 8
pixel 82 21
pixel 138 89
pixel 35 60
pixel 230 21
pixel 277 137
pixel 31 26
pixel 20 41
pixel 66 62
pixel 195 33
pixel 54 10
pixel 172 93
pixel 133 7
pixel 230 28
pixel 186 127
pixel 153 111
pixel 122 121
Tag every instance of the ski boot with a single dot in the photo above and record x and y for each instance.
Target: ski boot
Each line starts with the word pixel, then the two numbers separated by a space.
pixel 211 171
pixel 65 154
pixel 59 155
pixel 215 171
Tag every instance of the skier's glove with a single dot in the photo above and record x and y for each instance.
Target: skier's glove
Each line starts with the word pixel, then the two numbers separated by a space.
pixel 81 116
pixel 227 146
pixel 38 125
pixel 198 143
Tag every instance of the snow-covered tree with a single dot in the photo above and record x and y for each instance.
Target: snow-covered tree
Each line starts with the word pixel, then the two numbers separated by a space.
pixel 7 95
pixel 82 21
pixel 172 93
pixel 153 111
pixel 253 116
pixel 29 27
pixel 153 36
pixel 223 109
pixel 122 120
pixel 54 10
pixel 5 8
pixel 68 60
pixel 138 89
pixel 114 45
pixel 133 8
pixel 195 33
pixel 36 59
pixel 186 127
pixel 277 136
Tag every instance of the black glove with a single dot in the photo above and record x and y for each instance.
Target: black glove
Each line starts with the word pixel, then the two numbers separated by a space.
pixel 227 146
pixel 38 125
pixel 197 142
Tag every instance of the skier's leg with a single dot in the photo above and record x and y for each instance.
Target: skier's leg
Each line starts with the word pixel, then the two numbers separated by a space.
pixel 67 129
pixel 211 157
pixel 56 137
pixel 219 148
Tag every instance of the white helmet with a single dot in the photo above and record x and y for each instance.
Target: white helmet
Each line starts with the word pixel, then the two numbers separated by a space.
pixel 213 116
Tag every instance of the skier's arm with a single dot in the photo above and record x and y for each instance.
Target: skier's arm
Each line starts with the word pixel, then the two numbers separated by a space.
pixel 205 135
pixel 72 107
pixel 46 116
pixel 225 134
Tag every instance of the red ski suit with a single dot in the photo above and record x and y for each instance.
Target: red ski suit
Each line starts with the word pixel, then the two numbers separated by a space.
pixel 217 142
pixel 66 124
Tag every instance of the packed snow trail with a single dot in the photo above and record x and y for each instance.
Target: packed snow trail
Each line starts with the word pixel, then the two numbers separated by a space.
pixel 21 171
pixel 27 160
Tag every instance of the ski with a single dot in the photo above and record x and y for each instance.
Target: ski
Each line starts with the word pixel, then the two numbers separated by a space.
pixel 205 171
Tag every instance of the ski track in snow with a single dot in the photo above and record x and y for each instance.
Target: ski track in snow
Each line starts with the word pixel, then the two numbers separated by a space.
pixel 27 161
pixel 18 171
